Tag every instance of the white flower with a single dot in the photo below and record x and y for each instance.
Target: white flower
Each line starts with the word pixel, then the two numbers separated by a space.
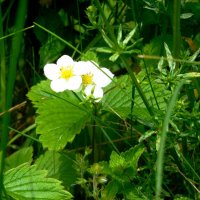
pixel 63 75
pixel 94 92
pixel 93 78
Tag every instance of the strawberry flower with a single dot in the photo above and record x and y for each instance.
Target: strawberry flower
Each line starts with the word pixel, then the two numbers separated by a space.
pixel 63 75
pixel 94 79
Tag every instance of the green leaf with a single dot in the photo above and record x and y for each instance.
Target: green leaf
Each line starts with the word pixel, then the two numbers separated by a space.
pixel 110 191
pixel 133 195
pixel 116 161
pixel 171 63
pixel 107 40
pixel 60 115
pixel 129 36
pixel 119 35
pixel 186 15
pixel 25 182
pixel 132 156
pixel 114 57
pixel 21 156
pixel 50 50
pixel 118 98
pixel 59 166
pixel 104 50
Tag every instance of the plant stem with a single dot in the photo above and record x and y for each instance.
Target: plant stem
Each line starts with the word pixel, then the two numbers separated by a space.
pixel 137 85
pixel 94 141
pixel 163 136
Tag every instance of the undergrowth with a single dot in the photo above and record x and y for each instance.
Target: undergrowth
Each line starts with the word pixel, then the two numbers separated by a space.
pixel 130 127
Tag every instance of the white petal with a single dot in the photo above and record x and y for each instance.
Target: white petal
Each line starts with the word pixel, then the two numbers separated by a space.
pixel 65 60
pixel 58 85
pixel 95 91
pixel 93 66
pixel 74 83
pixel 80 68
pixel 51 71
pixel 101 79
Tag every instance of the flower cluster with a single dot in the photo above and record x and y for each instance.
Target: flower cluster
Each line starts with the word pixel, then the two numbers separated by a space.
pixel 85 76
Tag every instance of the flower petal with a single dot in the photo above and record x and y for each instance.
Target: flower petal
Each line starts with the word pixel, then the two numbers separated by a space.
pixel 94 91
pixel 101 79
pixel 51 71
pixel 65 60
pixel 74 83
pixel 58 85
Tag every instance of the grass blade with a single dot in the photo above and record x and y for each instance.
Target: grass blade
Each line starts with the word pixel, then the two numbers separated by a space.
pixel 164 130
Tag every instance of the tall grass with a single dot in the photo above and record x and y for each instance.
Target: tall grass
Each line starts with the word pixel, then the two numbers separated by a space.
pixel 11 77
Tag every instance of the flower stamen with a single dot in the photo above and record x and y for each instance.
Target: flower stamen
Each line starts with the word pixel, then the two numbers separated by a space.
pixel 66 72
pixel 87 79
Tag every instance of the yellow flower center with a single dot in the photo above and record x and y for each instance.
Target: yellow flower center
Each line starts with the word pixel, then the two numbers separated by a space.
pixel 66 72
pixel 87 79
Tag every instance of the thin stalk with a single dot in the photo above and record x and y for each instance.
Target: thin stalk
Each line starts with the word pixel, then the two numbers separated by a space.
pixel 58 37
pixel 113 38
pixel 94 137
pixel 15 51
pixel 150 57
pixel 14 33
pixel 160 158
pixel 148 77
pixel 137 85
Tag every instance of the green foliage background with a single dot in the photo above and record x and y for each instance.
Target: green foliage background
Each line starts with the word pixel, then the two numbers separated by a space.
pixel 141 141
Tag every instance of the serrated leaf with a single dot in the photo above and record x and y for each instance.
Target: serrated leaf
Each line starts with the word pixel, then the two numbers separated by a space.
pixel 132 156
pixel 90 55
pixel 21 156
pixel 60 115
pixel 116 161
pixel 25 182
pixel 118 98
pixel 59 166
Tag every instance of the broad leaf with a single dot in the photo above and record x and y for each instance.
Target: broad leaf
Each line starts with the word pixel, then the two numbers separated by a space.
pixel 60 115
pixel 50 50
pixel 59 166
pixel 21 156
pixel 118 97
pixel 25 182
pixel 110 190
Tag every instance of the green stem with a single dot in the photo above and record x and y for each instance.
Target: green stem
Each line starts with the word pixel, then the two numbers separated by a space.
pixel 160 159
pixel 94 137
pixel 113 38
pixel 137 85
